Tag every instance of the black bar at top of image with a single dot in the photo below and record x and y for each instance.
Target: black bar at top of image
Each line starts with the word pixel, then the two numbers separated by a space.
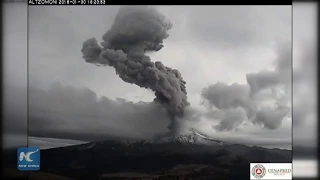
pixel 105 2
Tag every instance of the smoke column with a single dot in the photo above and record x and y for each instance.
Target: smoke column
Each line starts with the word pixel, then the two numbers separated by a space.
pixel 137 30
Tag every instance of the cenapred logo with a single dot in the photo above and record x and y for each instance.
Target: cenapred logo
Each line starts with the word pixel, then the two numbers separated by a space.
pixel 270 171
pixel 258 171
pixel 28 158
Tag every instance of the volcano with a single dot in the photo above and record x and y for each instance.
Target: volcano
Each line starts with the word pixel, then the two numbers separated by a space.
pixel 189 156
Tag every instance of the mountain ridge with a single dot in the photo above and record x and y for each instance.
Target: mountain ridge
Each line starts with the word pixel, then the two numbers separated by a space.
pixel 158 156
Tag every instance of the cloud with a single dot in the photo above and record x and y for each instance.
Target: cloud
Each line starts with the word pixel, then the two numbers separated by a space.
pixel 271 118
pixel 305 91
pixel 209 44
pixel 223 96
pixel 14 69
pixel 231 119
pixel 304 83
pixel 262 107
pixel 63 112
pixel 228 27
pixel 71 113
pixel 281 75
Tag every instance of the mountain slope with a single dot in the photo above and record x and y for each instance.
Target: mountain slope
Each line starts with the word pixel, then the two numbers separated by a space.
pixel 191 154
pixel 193 138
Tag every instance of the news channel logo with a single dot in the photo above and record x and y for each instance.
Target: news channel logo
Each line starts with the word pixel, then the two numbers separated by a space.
pixel 28 158
pixel 270 170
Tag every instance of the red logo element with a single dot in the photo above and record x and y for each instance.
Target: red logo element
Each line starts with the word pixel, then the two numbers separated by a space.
pixel 258 171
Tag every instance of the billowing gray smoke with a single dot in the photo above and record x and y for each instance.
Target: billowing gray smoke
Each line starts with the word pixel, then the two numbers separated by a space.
pixel 137 30
pixel 237 103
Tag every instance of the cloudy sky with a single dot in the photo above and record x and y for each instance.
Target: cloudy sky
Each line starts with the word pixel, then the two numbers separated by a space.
pixel 305 74
pixel 212 47
pixel 15 74
pixel 236 62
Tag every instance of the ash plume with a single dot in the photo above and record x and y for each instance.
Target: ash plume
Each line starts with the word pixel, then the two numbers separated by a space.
pixel 137 30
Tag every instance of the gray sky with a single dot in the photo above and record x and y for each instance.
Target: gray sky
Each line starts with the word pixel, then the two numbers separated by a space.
pixel 305 74
pixel 206 44
pixel 15 74
pixel 210 46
